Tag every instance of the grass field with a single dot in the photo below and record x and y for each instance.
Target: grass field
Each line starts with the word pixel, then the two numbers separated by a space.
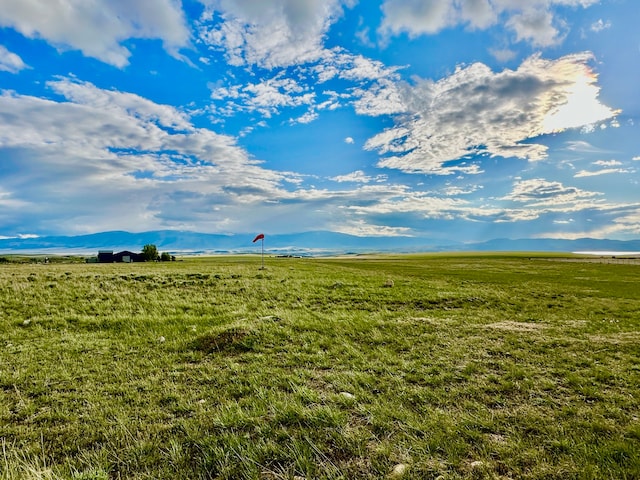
pixel 416 366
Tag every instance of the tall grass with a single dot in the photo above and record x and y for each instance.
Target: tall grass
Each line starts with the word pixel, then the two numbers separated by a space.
pixel 416 366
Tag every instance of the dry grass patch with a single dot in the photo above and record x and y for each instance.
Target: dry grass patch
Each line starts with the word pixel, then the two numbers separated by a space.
pixel 517 326
pixel 620 338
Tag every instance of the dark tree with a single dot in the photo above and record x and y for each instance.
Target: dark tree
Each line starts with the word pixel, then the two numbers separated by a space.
pixel 150 253
pixel 165 257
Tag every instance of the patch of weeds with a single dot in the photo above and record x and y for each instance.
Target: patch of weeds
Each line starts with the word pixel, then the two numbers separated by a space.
pixel 233 339
pixel 90 474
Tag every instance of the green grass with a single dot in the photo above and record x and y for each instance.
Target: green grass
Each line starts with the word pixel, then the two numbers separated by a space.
pixel 455 366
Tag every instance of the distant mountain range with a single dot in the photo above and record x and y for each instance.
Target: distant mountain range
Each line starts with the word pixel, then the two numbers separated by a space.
pixel 308 243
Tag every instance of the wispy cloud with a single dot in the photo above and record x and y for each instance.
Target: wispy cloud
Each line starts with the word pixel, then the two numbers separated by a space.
pixel 461 190
pixel 610 167
pixel 502 54
pixel 358 177
pixel 616 221
pixel 582 146
pixel 607 163
pixel 539 192
pixel 604 171
pixel 360 228
pixel 600 25
pixel 10 62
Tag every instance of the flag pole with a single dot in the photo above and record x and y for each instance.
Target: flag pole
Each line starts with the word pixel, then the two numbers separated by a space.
pixel 260 237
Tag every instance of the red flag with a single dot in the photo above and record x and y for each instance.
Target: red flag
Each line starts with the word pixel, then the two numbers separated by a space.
pixel 259 237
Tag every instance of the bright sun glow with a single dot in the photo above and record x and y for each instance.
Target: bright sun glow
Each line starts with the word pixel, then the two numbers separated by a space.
pixel 582 108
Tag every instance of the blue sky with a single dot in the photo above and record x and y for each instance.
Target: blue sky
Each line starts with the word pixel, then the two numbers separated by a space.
pixel 448 119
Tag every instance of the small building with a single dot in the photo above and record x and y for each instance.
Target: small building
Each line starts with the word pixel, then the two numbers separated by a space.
pixel 107 256
pixel 128 257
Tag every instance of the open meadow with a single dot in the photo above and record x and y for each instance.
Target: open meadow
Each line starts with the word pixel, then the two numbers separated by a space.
pixel 405 366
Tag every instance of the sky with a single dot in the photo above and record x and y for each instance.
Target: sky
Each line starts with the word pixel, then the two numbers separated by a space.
pixel 444 119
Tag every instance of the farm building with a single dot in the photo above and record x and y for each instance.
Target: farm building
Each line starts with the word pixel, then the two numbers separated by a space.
pixel 107 256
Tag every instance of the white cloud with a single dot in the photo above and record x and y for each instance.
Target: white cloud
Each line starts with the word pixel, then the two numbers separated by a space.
pixel 382 98
pixel 581 106
pixel 628 222
pixel 604 171
pixel 417 17
pixel 479 14
pixel 475 111
pixel 357 67
pixel 621 220
pixel 405 201
pixel 461 190
pixel 9 202
pixel 360 228
pixel 600 25
pixel 98 28
pixel 372 88
pixel 267 97
pixel 503 55
pixel 531 21
pixel 357 177
pixel 121 103
pixel 338 63
pixel 538 192
pixel 349 140
pixel 307 117
pixel 272 94
pixel 535 26
pixel 363 37
pixel 607 163
pixel 105 159
pixel 269 33
pixel 582 147
pixel 10 62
